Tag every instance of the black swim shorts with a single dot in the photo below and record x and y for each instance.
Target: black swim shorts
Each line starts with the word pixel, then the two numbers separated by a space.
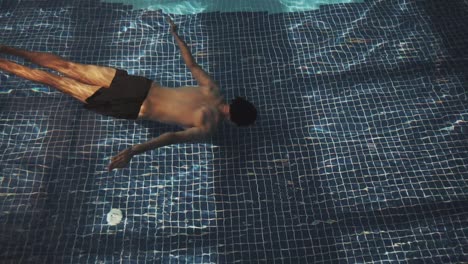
pixel 123 98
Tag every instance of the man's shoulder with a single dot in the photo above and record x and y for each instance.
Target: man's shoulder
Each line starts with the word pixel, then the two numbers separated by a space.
pixel 208 117
pixel 210 89
pixel 207 112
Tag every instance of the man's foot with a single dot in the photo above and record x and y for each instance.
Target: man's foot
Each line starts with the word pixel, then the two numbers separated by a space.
pixel 6 49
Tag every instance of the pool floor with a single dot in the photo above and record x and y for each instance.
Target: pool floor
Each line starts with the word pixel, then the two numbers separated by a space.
pixel 359 154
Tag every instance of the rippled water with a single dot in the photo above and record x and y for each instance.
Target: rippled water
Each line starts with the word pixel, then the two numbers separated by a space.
pixel 200 6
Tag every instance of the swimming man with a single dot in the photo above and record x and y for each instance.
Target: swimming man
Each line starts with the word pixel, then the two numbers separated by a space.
pixel 112 92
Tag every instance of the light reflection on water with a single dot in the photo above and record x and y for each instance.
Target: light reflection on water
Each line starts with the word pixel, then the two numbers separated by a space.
pixel 200 6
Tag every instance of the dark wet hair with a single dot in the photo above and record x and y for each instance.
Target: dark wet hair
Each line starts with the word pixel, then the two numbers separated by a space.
pixel 242 112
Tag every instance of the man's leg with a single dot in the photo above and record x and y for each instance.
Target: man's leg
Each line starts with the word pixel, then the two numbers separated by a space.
pixel 66 85
pixel 90 74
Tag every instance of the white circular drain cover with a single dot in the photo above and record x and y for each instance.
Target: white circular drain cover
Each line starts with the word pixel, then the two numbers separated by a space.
pixel 114 217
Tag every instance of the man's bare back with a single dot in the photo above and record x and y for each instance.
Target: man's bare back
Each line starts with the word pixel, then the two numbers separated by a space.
pixel 190 106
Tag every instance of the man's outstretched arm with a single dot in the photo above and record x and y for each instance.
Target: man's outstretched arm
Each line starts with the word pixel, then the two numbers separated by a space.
pixel 203 78
pixel 194 134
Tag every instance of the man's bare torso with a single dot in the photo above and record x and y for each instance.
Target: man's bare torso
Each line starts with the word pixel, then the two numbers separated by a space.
pixel 188 106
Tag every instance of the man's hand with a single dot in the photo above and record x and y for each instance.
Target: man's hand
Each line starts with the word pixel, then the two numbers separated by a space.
pixel 173 26
pixel 121 160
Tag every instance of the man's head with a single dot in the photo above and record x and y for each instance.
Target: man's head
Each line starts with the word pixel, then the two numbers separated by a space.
pixel 242 112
